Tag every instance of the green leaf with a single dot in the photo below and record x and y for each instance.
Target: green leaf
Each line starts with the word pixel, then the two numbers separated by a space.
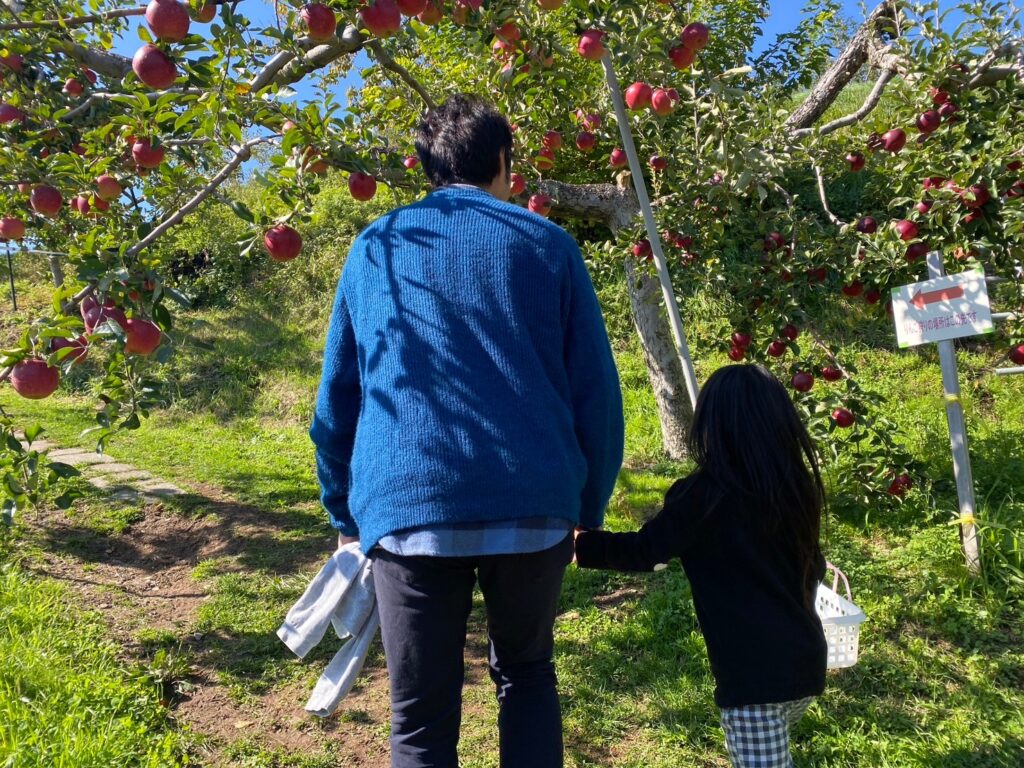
pixel 63 470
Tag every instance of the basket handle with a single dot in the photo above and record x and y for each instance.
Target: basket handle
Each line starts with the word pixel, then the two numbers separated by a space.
pixel 836 576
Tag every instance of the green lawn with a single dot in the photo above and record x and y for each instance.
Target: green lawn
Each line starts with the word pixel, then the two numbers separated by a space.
pixel 941 676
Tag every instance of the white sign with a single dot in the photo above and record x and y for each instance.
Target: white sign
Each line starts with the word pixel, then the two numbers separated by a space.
pixel 943 308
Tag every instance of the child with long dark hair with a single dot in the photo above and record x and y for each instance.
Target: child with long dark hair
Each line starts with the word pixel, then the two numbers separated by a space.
pixel 745 525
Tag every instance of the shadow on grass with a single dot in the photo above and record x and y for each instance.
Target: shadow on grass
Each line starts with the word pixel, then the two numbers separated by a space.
pixel 283 541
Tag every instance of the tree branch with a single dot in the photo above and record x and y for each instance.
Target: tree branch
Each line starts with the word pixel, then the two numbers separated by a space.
pixel 242 153
pixel 385 60
pixel 76 21
pixel 842 71
pixel 865 109
pixel 824 197
pixel 96 98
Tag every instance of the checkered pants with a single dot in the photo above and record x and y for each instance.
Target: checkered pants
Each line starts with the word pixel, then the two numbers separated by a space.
pixel 757 736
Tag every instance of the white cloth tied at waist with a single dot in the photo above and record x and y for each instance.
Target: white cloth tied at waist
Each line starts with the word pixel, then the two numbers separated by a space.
pixel 342 595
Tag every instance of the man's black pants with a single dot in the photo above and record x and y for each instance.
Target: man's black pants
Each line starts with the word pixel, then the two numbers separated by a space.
pixel 424 603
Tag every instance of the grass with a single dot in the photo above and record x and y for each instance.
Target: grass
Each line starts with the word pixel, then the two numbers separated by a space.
pixel 66 698
pixel 941 676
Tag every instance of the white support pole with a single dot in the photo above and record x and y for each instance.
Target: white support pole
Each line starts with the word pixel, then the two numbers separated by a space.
pixel 957 437
pixel 1009 371
pixel 675 319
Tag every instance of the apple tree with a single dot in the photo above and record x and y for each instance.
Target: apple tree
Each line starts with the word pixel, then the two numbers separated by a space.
pixel 101 155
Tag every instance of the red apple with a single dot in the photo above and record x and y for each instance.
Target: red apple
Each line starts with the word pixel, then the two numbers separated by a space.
pixel 916 251
pixel 867 225
pixel 642 249
pixel 906 229
pixel 154 67
pixel 362 186
pixel 146 155
pixel 900 485
pixel 45 200
pixel 658 163
pixel 817 274
pixel 73 88
pixel 777 348
pixel 740 339
pixel 11 228
pixel 95 315
pixel 617 159
pixel 508 32
pixel 205 13
pixel 737 353
pixel 638 96
pixel 681 56
pixel 856 161
pixel 933 182
pixel 13 62
pixel 843 418
pixel 80 203
pixel 10 114
pixel 539 204
pixel 282 242
pixel 1017 355
pixel 552 140
pixel 947 110
pixel 79 348
pixel 831 373
pixel 972 217
pixel 35 379
pixel 320 21
pixel 431 14
pixel 938 96
pixel 1015 190
pixel 142 337
pixel 590 46
pixel 894 140
pixel 773 241
pixel 411 161
pixel 1014 165
pixel 544 160
pixel 802 381
pixel 929 121
pixel 382 18
pixel 694 36
pixel 411 7
pixel 975 196
pixel 591 121
pixel 585 141
pixel 518 184
pixel 663 102
pixel 872 295
pixel 679 240
pixel 168 20
pixel 791 332
pixel 107 188
pixel 924 206
pixel 854 289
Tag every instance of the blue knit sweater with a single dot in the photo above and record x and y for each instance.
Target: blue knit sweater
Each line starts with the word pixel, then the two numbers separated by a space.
pixel 467 374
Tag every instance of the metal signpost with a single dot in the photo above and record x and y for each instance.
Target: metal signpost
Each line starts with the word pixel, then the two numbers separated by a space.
pixel 940 310
pixel 637 172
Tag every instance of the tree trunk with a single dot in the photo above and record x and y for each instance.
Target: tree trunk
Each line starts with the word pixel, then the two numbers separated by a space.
pixel 663 367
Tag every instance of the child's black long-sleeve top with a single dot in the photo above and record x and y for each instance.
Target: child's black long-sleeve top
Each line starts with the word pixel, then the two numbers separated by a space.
pixel 764 639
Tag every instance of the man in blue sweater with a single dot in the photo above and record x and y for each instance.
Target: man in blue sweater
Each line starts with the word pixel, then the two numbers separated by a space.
pixel 469 416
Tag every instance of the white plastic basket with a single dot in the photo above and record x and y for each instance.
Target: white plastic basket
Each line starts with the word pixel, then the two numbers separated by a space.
pixel 840 619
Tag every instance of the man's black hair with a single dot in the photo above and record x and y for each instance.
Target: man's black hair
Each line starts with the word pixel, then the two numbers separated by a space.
pixel 460 142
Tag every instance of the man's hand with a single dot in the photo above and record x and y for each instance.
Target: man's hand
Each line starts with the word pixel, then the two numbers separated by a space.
pixel 343 540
